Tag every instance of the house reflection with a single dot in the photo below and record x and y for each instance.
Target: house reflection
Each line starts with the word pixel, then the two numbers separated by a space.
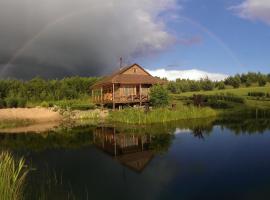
pixel 131 150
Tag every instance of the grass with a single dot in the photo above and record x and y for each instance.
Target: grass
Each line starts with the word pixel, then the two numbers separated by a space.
pixel 12 177
pixel 236 91
pixel 250 105
pixel 160 115
pixel 14 123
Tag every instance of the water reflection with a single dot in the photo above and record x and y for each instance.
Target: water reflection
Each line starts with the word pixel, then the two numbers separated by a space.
pixel 132 150
pixel 186 159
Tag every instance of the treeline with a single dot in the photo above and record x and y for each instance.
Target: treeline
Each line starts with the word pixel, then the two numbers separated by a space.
pixel 239 80
pixel 38 89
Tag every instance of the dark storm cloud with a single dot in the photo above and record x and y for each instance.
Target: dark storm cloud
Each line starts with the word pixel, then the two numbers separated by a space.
pixel 54 38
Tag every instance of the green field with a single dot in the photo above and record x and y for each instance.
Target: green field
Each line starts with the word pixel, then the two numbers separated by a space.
pixel 251 103
pixel 238 91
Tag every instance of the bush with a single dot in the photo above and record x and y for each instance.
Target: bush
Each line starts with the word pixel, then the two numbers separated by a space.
pixel 159 96
pixel 82 106
pixel 218 104
pixel 262 82
pixel 45 104
pixel 21 102
pixel 207 84
pixel 221 85
pixel 2 103
pixel 12 102
pixel 257 94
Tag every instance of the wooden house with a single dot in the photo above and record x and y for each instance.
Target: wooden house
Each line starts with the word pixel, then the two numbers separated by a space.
pixel 129 85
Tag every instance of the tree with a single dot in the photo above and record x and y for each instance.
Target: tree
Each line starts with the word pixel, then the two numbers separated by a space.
pixel 207 84
pixel 221 85
pixel 262 81
pixel 248 82
pixel 159 96
pixel 233 81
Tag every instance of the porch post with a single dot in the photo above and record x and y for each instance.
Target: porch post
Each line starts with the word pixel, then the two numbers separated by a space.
pixel 101 92
pixel 113 97
pixel 92 94
pixel 140 94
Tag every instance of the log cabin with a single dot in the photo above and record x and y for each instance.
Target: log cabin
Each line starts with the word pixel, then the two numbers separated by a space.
pixel 129 85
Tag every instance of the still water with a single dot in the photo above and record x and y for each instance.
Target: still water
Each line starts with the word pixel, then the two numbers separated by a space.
pixel 209 159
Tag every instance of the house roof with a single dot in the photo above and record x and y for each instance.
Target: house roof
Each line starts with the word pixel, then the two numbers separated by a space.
pixel 120 77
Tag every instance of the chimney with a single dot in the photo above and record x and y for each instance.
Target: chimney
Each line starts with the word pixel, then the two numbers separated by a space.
pixel 121 62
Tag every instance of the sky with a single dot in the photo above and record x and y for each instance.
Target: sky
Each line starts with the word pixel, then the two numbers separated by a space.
pixel 170 38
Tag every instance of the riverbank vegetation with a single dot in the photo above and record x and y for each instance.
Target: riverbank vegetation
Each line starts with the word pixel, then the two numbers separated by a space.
pixel 12 177
pixel 19 93
pixel 160 115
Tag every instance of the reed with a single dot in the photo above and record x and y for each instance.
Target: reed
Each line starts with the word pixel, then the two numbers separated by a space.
pixel 160 115
pixel 12 177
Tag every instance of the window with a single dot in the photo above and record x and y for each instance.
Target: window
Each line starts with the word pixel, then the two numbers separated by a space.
pixel 134 70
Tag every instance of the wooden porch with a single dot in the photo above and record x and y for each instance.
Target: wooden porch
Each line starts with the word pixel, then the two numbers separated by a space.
pixel 121 93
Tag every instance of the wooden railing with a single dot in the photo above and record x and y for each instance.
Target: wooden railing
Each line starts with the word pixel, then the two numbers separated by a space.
pixel 119 99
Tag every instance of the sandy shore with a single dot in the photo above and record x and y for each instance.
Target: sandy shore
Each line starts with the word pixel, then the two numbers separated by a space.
pixel 39 115
pixel 43 119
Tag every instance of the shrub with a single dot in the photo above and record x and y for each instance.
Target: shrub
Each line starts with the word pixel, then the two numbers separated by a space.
pixel 44 104
pixel 21 102
pixel 262 81
pixel 207 84
pixel 256 94
pixel 82 106
pixel 159 96
pixel 221 85
pixel 218 104
pixel 2 103
pixel 12 102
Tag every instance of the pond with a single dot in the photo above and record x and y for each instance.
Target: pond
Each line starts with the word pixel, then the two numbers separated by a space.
pixel 199 159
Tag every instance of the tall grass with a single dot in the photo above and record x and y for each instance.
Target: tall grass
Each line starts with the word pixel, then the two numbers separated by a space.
pixel 160 115
pixel 12 177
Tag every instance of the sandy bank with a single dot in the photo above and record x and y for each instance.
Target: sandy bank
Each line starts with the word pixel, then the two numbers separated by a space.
pixel 38 115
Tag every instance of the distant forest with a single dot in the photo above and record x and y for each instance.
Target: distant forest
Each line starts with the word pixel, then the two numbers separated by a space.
pixel 239 80
pixel 38 89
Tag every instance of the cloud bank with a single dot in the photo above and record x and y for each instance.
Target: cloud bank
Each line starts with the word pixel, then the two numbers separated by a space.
pixel 192 74
pixel 254 10
pixel 54 38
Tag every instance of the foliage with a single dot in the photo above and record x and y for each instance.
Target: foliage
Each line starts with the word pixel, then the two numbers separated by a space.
pixel 39 90
pixel 207 84
pixel 159 96
pixel 11 102
pixel 2 103
pixel 220 85
pixel 160 115
pixel 12 177
pixel 233 81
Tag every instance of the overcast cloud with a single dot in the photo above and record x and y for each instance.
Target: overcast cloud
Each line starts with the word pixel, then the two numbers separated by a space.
pixel 54 38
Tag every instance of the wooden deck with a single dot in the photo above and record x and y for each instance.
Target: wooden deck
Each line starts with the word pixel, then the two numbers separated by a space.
pixel 105 99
